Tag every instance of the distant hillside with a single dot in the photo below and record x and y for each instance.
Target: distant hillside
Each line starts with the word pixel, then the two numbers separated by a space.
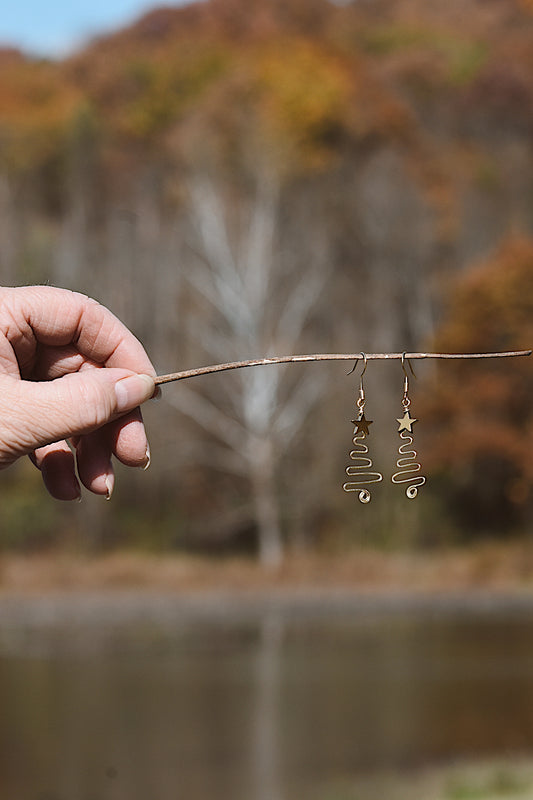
pixel 321 75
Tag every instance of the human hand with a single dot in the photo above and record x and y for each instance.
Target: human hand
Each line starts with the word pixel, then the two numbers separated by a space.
pixel 70 371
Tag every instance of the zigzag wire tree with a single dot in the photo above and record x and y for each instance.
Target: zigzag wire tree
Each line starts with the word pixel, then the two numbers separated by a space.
pixel 361 470
pixel 408 466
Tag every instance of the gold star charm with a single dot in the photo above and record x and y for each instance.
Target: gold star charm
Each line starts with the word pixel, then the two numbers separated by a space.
pixel 362 424
pixel 406 423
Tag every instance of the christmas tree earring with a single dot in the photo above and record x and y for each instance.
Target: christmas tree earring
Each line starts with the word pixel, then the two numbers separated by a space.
pixel 360 471
pixel 408 467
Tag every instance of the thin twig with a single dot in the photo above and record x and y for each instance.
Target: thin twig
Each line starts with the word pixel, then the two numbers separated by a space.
pixel 263 362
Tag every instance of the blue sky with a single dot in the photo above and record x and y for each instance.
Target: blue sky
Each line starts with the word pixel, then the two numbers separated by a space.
pixel 55 27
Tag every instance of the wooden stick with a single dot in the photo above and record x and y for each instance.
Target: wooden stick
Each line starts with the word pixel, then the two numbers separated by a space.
pixel 263 362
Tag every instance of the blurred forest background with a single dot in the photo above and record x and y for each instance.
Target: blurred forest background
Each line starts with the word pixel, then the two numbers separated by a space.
pixel 246 178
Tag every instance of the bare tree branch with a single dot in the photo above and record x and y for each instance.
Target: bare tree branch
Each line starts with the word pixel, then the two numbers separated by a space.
pixel 263 362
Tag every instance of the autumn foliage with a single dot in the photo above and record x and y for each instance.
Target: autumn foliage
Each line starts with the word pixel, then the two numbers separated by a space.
pixel 385 144
pixel 482 412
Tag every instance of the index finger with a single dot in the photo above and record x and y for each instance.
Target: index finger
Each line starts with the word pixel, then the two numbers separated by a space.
pixel 58 317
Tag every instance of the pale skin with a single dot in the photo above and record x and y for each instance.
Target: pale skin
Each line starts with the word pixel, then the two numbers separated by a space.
pixel 72 378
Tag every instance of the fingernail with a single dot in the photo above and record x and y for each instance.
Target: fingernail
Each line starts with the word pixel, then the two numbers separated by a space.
pixel 133 390
pixel 148 458
pixel 109 484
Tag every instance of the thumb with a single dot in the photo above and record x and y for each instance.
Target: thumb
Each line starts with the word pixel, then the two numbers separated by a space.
pixel 39 413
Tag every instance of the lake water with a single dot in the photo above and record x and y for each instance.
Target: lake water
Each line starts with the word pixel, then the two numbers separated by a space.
pixel 158 699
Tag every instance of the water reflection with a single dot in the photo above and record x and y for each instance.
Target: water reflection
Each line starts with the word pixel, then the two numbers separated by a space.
pixel 266 756
pixel 264 706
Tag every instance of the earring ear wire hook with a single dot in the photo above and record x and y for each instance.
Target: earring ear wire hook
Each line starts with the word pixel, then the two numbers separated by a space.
pixel 362 355
pixel 361 401
pixel 406 379
pixel 404 359
pixel 406 401
pixel 365 364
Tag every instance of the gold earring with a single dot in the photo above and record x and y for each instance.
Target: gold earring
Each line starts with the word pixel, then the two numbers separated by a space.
pixel 361 470
pixel 408 466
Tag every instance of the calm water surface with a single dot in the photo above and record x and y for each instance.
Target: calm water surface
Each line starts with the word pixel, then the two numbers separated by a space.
pixel 266 706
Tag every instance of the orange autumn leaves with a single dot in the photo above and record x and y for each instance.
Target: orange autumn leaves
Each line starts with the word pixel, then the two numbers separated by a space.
pixel 295 93
pixel 482 412
pixel 36 107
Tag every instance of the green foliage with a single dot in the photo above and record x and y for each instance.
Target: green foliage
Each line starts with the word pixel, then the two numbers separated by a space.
pixel 487 174
pixel 466 782
pixel 29 520
pixel 463 58
pixel 501 783
pixel 147 527
pixel 466 61
pixel 160 89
